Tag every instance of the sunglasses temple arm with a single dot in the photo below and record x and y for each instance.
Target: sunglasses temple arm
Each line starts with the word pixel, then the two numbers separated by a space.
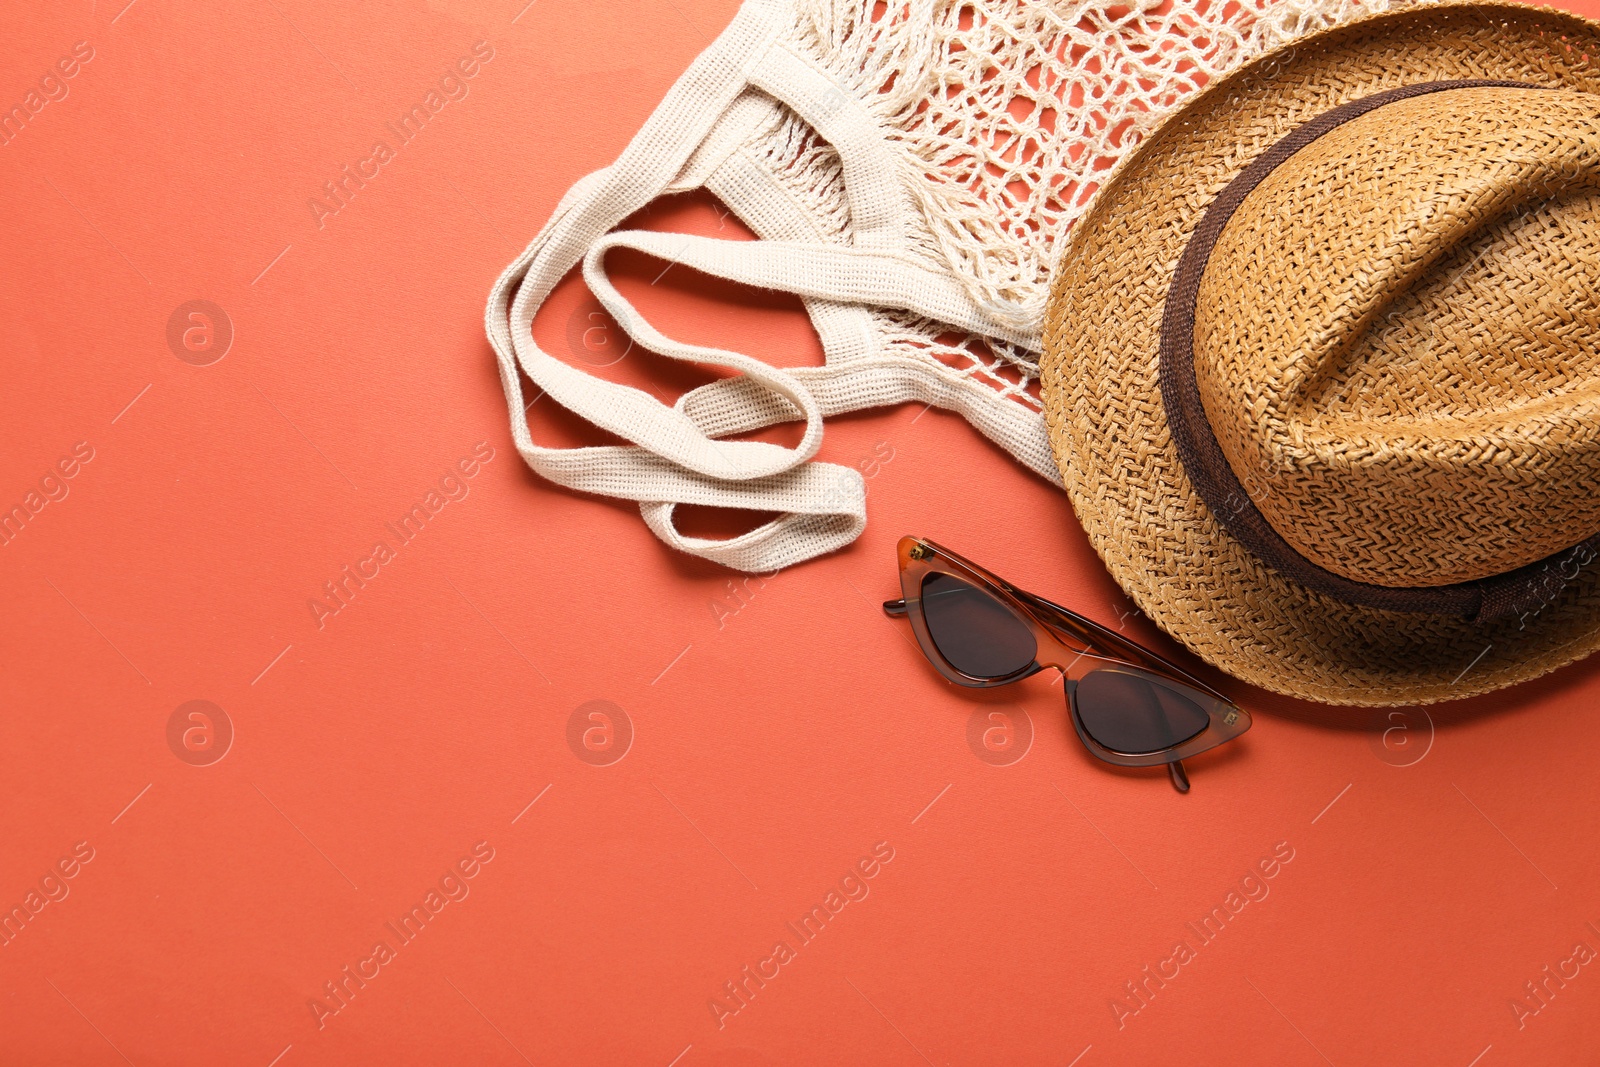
pixel 1108 642
pixel 894 608
pixel 1100 640
pixel 1180 778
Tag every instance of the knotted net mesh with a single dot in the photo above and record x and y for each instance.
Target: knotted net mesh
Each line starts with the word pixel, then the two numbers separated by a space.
pixel 1011 112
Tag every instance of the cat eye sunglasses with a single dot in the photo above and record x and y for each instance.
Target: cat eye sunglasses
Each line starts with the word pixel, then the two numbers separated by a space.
pixel 1129 706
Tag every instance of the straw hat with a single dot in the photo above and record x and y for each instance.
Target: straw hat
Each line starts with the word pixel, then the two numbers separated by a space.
pixel 1322 363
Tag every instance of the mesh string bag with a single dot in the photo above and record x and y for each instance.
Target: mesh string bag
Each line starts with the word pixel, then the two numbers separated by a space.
pixel 909 169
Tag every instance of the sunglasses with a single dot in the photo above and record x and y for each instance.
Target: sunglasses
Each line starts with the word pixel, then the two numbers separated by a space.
pixel 1129 706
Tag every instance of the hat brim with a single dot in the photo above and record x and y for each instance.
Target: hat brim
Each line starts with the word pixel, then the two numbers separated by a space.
pixel 1103 401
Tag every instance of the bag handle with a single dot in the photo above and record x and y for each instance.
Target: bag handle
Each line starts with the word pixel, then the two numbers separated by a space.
pixel 678 454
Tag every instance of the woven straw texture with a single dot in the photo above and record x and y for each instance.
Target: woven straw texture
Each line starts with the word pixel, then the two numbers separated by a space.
pixel 1371 475
pixel 1412 386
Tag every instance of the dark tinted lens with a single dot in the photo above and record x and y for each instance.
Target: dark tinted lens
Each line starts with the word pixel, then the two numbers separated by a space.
pixel 1134 712
pixel 977 634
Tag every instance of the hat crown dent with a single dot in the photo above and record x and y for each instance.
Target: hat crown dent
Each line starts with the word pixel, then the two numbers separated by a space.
pixel 1171 550
pixel 1397 337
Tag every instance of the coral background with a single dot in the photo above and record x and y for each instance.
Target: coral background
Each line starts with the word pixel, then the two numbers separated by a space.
pixel 771 734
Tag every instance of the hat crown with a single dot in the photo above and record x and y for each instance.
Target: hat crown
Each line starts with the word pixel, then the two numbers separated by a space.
pixel 1397 337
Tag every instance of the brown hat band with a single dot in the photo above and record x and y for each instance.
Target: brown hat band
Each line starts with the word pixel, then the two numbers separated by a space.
pixel 1525 589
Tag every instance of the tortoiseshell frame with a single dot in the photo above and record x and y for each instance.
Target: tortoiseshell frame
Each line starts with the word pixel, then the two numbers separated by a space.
pixel 1068 642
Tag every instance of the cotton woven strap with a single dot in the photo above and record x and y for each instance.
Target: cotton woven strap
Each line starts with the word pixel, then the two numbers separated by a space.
pixel 681 454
